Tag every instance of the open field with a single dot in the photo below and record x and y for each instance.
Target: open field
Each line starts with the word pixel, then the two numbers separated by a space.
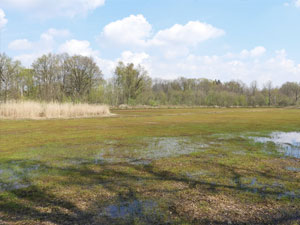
pixel 152 166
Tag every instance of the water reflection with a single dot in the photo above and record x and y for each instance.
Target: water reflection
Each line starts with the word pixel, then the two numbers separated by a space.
pixel 129 209
pixel 152 149
pixel 293 169
pixel 16 175
pixel 288 143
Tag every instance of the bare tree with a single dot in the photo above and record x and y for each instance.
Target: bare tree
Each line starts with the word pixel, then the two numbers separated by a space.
pixel 268 87
pixel 48 76
pixel 9 71
pixel 80 75
pixel 291 90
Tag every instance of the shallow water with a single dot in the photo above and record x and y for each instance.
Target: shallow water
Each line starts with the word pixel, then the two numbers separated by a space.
pixel 153 149
pixel 289 195
pixel 171 147
pixel 253 185
pixel 239 152
pixel 287 142
pixel 293 169
pixel 198 174
pixel 134 209
pixel 16 175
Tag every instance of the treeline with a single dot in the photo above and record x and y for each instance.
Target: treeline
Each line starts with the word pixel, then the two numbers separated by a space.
pixel 65 78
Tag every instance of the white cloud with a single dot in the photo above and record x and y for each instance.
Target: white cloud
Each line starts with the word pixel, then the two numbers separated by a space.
pixel 191 34
pixel 52 33
pixel 28 50
pixel 132 30
pixel 27 59
pixel 77 47
pixel 19 45
pixel 169 53
pixel 83 47
pixel 278 68
pixel 255 52
pixel 136 31
pixel 295 3
pixel 174 52
pixel 107 66
pixel 46 42
pixel 3 20
pixel 135 58
pixel 53 8
pixel 258 51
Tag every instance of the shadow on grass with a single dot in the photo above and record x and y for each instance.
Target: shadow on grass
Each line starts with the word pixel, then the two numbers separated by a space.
pixel 36 204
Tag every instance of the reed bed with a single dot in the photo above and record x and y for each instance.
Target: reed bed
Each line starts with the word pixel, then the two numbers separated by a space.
pixel 37 110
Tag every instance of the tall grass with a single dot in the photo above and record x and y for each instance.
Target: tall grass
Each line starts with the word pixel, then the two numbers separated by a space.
pixel 36 110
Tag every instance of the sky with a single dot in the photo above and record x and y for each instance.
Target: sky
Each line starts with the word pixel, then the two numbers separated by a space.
pixel 242 40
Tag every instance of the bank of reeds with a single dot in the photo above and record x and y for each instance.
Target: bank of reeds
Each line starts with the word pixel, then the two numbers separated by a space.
pixel 36 110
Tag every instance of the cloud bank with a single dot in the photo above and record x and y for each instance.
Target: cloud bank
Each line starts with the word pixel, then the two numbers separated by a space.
pixel 167 53
pixel 3 20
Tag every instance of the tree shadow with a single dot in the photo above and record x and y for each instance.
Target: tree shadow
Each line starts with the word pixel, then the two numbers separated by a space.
pixel 39 204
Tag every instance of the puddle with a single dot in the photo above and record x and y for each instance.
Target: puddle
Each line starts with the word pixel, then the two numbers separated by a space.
pixel 13 186
pixel 287 143
pixel 239 153
pixel 293 169
pixel 130 209
pixel 289 195
pixel 171 147
pixel 140 162
pixel 195 175
pixel 154 149
pixel 16 175
pixel 254 186
pixel 136 210
pixel 222 137
pixel 108 157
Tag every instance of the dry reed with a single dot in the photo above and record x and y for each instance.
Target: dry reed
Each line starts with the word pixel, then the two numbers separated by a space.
pixel 36 110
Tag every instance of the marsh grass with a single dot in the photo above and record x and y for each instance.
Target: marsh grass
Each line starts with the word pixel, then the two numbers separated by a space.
pixel 37 110
pixel 82 171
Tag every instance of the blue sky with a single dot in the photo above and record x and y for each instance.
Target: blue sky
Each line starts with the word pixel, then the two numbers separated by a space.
pixel 229 40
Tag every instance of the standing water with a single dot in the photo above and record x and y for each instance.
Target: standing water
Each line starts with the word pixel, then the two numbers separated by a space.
pixel 288 143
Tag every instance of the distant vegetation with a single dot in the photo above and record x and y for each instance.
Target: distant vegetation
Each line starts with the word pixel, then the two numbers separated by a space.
pixel 64 78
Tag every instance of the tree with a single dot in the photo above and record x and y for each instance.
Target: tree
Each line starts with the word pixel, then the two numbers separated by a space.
pixel 291 90
pixel 27 85
pixel 80 75
pixel 48 77
pixel 9 71
pixel 268 88
pixel 131 82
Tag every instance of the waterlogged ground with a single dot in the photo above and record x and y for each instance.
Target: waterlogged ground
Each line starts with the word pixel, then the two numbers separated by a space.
pixel 286 142
pixel 183 166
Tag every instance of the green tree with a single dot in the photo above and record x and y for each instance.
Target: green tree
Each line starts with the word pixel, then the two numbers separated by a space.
pixel 131 82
